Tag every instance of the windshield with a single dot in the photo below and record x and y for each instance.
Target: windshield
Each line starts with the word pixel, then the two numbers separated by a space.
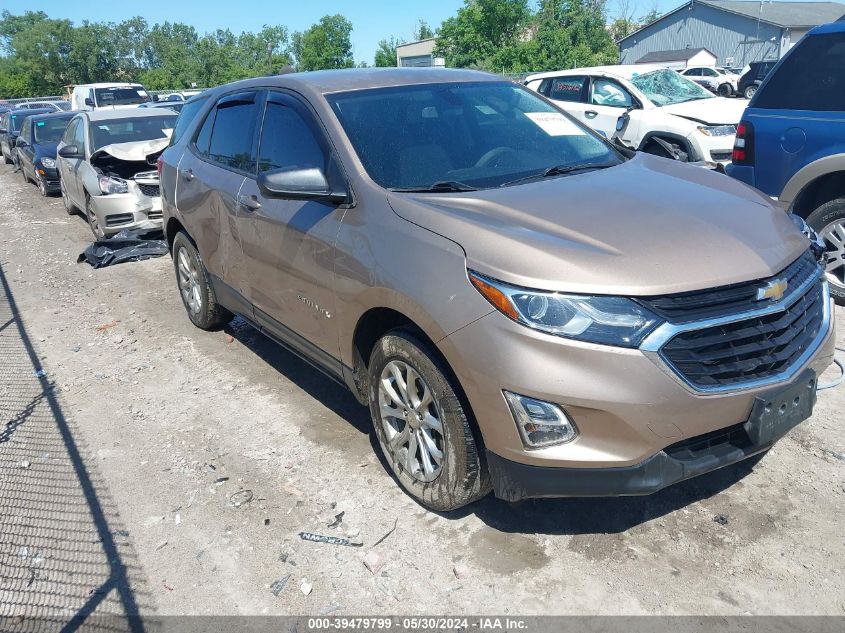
pixel 131 130
pixel 51 130
pixel 477 134
pixel 666 87
pixel 126 95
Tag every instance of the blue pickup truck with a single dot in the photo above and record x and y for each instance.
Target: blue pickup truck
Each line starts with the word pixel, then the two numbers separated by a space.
pixel 790 143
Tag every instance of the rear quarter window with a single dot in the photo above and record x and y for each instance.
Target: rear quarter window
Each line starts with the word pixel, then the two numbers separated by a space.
pixel 811 77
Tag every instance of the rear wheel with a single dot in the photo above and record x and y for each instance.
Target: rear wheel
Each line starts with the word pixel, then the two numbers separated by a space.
pixel 750 90
pixel 422 427
pixel 7 160
pixel 829 222
pixel 725 90
pixel 195 286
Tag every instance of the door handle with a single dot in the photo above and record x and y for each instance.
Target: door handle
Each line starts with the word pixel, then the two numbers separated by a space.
pixel 187 175
pixel 591 114
pixel 249 203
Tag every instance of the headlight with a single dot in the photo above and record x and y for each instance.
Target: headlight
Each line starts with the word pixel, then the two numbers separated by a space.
pixel 109 184
pixel 596 319
pixel 717 130
pixel 816 243
pixel 49 163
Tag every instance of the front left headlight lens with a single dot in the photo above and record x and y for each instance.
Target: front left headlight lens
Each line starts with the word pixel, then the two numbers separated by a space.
pixel 717 130
pixel 49 163
pixel 595 319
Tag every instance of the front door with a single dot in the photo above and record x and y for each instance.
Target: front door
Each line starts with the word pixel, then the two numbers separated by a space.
pixel 608 101
pixel 289 244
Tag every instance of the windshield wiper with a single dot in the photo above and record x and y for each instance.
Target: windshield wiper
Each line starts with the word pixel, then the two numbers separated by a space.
pixel 440 185
pixel 558 170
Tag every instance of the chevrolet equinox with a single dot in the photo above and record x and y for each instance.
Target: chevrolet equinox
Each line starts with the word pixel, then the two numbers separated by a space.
pixel 523 306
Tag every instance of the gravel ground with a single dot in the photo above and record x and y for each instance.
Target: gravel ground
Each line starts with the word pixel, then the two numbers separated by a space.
pixel 159 467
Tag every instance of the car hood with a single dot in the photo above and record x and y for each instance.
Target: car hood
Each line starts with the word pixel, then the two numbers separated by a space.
pixel 713 111
pixel 647 227
pixel 135 151
pixel 46 149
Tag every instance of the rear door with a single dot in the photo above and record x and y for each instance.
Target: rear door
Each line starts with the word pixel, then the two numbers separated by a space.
pixel 25 154
pixel 209 181
pixel 798 114
pixel 289 244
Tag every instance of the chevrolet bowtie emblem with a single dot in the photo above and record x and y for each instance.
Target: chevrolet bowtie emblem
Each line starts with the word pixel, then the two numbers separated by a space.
pixel 773 290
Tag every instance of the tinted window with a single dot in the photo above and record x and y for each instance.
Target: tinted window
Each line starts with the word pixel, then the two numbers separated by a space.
pixel 204 135
pixel 186 117
pixel 232 138
pixel 287 141
pixel 693 72
pixel 50 130
pixel 609 93
pixel 126 95
pixel 811 77
pixel 567 88
pixel 483 135
pixel 107 132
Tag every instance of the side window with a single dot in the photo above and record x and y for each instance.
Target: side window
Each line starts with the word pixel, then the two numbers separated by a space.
pixel 287 141
pixel 811 77
pixel 232 140
pixel 204 135
pixel 186 116
pixel 70 132
pixel 606 92
pixel 79 135
pixel 693 72
pixel 709 72
pixel 545 87
pixel 567 88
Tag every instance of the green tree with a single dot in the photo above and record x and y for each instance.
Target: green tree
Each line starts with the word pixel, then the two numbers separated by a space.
pixel 423 31
pixel 326 44
pixel 650 17
pixel 386 52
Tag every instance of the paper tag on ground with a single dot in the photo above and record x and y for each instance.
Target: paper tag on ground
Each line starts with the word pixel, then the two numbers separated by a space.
pixel 554 124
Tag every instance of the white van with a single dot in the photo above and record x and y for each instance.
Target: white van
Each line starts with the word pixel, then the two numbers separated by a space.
pixel 108 95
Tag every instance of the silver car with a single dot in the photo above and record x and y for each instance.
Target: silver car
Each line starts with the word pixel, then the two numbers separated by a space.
pixel 107 167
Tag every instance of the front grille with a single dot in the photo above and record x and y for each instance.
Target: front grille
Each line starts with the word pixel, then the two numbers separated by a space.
pixel 704 304
pixel 756 348
pixel 118 218
pixel 721 156
pixel 151 191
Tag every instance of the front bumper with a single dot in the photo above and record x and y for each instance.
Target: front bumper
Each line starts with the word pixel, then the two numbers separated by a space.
pixel 116 212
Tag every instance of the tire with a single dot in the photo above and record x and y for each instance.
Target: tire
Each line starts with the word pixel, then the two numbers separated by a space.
pixel 69 206
pixel 749 91
pixel 93 222
pixel 194 284
pixel 725 90
pixel 829 222
pixel 461 475
pixel 42 188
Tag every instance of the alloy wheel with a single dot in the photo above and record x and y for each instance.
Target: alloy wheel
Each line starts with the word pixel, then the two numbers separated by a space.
pixel 189 281
pixel 834 237
pixel 411 421
pixel 96 229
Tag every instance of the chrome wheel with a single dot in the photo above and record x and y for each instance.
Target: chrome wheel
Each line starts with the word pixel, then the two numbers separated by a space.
pixel 834 237
pixel 189 281
pixel 411 421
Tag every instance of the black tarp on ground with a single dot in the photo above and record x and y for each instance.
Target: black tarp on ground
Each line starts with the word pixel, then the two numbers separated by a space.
pixel 127 246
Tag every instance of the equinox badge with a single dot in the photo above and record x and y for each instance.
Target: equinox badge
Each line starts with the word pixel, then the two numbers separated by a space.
pixel 773 290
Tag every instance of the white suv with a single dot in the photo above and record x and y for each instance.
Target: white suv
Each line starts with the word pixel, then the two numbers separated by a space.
pixel 649 108
pixel 715 80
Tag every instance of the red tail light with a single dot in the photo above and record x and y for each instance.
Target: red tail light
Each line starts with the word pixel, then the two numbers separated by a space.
pixel 743 153
pixel 159 164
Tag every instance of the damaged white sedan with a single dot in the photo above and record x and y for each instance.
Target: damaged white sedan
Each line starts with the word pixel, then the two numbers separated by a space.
pixel 107 167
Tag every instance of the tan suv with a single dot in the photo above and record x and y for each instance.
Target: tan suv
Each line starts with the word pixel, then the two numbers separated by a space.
pixel 521 306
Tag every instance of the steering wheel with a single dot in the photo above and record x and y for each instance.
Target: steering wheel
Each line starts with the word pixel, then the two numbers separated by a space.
pixel 492 158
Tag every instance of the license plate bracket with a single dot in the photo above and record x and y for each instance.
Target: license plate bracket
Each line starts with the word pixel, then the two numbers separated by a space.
pixel 776 412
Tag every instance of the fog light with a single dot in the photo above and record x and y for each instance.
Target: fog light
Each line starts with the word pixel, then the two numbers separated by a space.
pixel 540 423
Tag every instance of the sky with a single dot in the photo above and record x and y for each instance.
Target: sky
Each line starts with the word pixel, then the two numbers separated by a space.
pixel 372 20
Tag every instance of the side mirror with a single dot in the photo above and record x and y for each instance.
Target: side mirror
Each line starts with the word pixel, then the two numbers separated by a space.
pixel 89 102
pixel 299 184
pixel 70 151
pixel 21 143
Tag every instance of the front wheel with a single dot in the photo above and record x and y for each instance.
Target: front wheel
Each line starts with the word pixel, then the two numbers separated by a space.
pixel 69 206
pixel 93 221
pixel 195 286
pixel 422 427
pixel 829 222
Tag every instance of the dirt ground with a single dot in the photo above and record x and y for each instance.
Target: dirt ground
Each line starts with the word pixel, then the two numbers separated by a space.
pixel 157 467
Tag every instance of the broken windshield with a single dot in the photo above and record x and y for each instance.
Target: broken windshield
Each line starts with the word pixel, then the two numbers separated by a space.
pixel 666 87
